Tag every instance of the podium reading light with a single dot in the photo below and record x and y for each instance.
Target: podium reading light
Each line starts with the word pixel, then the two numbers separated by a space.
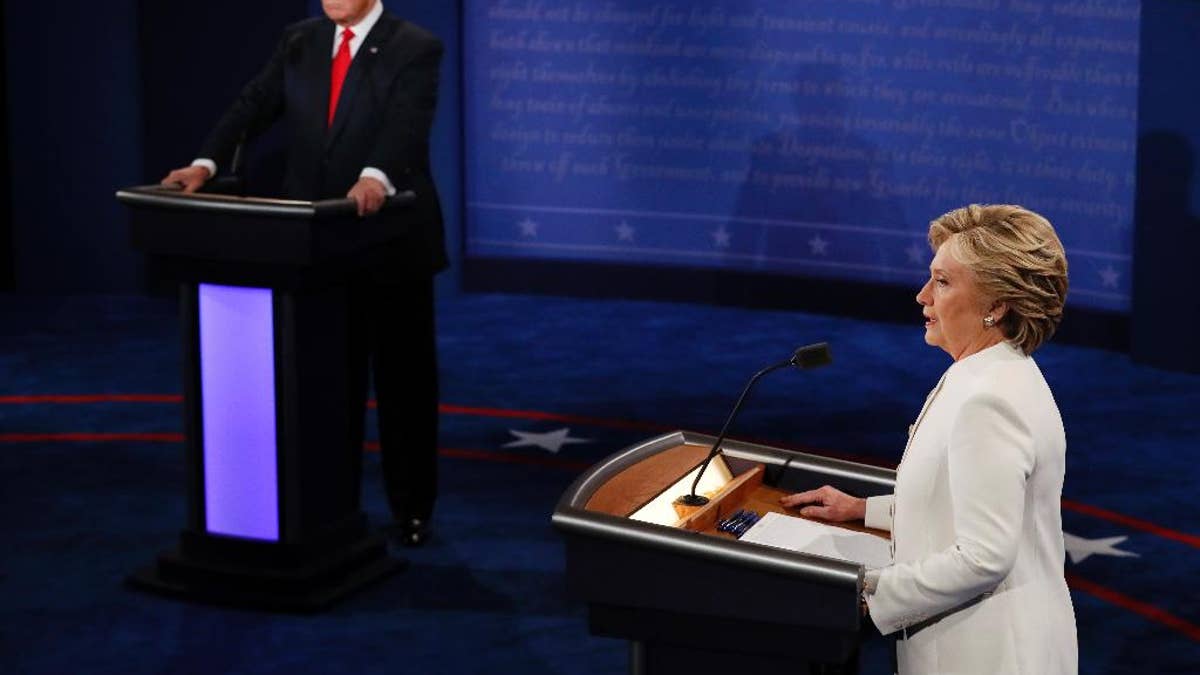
pixel 804 358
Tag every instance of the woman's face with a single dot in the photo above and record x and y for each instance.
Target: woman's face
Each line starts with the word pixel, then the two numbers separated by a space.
pixel 954 308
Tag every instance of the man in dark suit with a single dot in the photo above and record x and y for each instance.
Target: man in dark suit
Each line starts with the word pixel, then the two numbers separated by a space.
pixel 356 91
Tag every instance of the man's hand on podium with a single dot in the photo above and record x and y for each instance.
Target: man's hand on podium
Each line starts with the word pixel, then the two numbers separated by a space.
pixel 369 194
pixel 827 503
pixel 190 178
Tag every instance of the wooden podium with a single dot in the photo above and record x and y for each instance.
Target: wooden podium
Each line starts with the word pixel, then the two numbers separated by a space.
pixel 694 600
pixel 273 517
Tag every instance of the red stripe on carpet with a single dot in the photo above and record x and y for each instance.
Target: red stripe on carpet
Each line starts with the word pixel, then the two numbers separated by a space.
pixel 169 437
pixel 92 398
pixel 1129 521
pixel 1155 614
pixel 370 446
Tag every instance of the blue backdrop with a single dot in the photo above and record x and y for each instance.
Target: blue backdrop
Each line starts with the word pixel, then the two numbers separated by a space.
pixel 816 138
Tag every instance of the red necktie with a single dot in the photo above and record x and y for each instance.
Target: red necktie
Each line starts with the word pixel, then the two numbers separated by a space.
pixel 341 64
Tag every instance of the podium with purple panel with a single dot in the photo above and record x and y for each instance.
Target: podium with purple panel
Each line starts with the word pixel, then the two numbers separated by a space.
pixel 273 514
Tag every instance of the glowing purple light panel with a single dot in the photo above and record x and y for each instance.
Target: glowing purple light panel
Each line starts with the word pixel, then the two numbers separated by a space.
pixel 237 385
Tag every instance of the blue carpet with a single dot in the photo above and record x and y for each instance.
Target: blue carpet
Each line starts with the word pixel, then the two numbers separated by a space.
pixel 488 593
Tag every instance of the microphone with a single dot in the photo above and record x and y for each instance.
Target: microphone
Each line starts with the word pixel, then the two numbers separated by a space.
pixel 235 164
pixel 804 358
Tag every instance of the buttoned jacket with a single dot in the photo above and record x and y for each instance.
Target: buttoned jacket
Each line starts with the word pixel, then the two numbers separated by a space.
pixel 383 120
pixel 977 527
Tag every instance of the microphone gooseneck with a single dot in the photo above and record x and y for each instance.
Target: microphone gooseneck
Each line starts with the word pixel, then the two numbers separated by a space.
pixel 806 357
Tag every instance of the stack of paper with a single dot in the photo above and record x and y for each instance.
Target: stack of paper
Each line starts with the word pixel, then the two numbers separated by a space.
pixel 806 536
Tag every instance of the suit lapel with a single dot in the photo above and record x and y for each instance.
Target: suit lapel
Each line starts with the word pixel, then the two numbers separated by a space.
pixel 369 53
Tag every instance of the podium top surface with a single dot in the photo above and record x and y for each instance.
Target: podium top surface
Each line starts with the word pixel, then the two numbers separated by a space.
pixel 597 505
pixel 164 197
pixel 641 578
pixel 220 238
pixel 638 471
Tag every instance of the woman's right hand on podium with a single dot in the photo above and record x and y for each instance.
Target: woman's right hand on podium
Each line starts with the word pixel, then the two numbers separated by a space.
pixel 827 503
pixel 190 178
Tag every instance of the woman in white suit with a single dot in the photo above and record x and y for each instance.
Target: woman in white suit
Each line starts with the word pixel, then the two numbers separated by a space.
pixel 976 584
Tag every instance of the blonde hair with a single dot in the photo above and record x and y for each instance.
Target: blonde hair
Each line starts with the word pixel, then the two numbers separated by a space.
pixel 1017 259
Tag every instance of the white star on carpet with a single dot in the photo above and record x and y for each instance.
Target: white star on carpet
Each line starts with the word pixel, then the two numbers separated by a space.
pixel 720 237
pixel 624 232
pixel 818 245
pixel 548 440
pixel 528 228
pixel 1109 276
pixel 916 254
pixel 1081 549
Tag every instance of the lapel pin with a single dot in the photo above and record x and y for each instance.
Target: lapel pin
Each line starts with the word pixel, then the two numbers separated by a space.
pixel 374 50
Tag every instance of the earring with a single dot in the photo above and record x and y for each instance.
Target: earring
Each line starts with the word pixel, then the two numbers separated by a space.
pixel 989 321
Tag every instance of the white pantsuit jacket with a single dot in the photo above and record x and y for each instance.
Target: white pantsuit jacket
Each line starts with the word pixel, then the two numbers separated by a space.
pixel 976 521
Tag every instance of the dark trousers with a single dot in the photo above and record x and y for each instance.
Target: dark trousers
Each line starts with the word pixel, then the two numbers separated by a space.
pixel 392 336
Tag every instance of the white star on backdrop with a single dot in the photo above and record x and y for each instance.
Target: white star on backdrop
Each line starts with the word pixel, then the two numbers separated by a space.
pixel 818 245
pixel 916 254
pixel 547 440
pixel 1081 549
pixel 1109 276
pixel 720 237
pixel 624 232
pixel 528 228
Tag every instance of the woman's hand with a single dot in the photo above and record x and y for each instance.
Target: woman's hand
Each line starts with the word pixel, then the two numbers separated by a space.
pixel 827 503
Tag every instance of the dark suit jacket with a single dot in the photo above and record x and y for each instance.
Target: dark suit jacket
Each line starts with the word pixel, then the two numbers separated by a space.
pixel 383 120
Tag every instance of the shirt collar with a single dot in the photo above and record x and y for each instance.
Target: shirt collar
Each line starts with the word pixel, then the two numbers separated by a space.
pixel 1001 351
pixel 360 29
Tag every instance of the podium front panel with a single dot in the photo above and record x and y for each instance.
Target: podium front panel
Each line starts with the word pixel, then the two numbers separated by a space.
pixel 237 385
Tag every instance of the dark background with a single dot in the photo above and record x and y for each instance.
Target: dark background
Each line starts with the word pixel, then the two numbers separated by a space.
pixel 6 238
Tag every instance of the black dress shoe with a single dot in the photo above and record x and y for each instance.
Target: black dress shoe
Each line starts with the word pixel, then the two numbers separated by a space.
pixel 411 531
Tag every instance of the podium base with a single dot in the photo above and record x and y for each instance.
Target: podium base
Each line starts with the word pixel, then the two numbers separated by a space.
pixel 266 579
